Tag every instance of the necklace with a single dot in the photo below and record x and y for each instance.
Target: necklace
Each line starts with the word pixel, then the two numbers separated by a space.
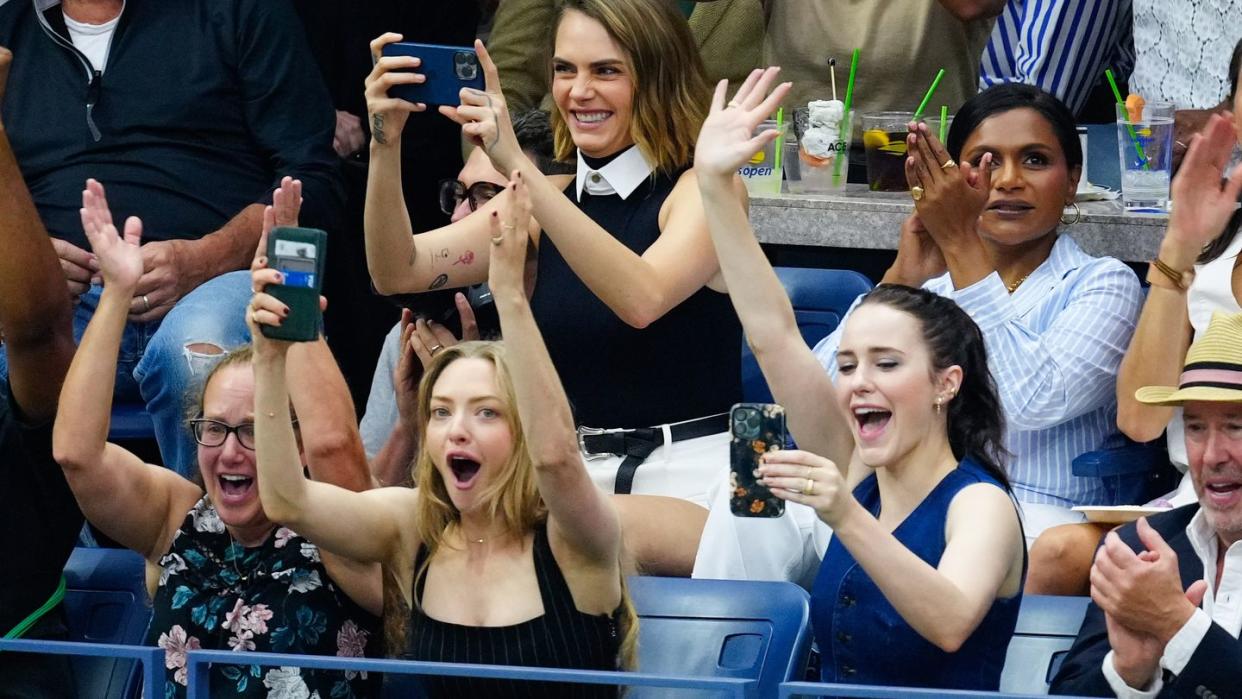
pixel 1014 286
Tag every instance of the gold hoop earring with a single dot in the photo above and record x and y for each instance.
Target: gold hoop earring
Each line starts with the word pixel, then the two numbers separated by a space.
pixel 1077 215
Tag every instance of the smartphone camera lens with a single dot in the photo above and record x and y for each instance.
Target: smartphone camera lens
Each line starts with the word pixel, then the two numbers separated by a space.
pixel 746 423
pixel 465 65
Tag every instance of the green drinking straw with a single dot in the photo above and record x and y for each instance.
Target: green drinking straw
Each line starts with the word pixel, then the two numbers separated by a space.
pixel 849 103
pixel 930 91
pixel 780 137
pixel 944 121
pixel 1138 146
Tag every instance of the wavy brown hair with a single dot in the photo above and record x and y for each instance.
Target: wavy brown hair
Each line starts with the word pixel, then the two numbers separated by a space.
pixel 512 498
pixel 671 91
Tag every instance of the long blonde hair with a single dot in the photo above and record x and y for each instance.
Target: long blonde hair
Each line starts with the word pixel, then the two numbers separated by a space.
pixel 512 497
pixel 671 91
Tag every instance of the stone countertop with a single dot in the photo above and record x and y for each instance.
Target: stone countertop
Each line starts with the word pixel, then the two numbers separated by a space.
pixel 866 220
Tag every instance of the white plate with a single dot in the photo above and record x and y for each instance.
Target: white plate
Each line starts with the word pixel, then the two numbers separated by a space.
pixel 1118 514
pixel 1094 192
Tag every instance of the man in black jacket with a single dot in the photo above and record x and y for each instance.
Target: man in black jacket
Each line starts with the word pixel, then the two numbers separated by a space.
pixel 39 519
pixel 1158 624
pixel 189 113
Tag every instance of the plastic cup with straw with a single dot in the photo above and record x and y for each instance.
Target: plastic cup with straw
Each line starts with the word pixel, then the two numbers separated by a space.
pixel 1138 145
pixel 849 104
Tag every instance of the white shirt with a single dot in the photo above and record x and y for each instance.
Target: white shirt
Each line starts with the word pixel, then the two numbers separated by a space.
pixel 621 175
pixel 1221 606
pixel 93 40
pixel 1182 50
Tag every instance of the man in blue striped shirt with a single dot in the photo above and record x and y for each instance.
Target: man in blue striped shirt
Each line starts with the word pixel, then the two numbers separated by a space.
pixel 1062 46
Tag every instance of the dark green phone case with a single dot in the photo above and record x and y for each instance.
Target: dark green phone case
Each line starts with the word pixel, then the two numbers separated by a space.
pixel 299 255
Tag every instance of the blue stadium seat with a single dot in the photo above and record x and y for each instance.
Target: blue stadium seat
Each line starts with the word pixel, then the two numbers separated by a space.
pixel 106 602
pixel 820 299
pixel 722 628
pixel 130 421
pixel 1046 629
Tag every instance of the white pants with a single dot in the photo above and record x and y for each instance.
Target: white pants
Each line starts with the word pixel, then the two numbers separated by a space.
pixel 687 469
pixel 1036 517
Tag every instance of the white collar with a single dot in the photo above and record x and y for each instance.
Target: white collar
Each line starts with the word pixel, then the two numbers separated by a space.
pixel 1206 544
pixel 620 176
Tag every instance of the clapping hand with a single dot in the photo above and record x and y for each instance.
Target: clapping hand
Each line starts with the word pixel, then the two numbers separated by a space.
pixel 421 339
pixel 484 116
pixel 727 140
pixel 119 257
pixel 918 256
pixel 950 196
pixel 1204 202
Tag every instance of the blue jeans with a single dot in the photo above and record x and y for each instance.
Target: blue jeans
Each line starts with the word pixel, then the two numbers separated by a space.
pixel 156 366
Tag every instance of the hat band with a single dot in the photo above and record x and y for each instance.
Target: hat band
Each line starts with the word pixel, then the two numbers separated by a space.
pixel 1216 378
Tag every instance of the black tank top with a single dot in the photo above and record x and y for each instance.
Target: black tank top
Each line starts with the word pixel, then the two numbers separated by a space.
pixel 562 637
pixel 685 365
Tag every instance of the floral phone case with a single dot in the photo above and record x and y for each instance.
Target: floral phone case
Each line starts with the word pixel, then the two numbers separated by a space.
pixel 756 428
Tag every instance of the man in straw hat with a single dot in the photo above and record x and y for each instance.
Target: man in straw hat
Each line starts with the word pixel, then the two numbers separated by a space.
pixel 1159 625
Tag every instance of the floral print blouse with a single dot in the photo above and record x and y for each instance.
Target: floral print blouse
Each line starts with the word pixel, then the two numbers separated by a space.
pixel 216 594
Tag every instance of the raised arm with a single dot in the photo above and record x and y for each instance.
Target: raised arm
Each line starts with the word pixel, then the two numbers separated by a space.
pixel 579 513
pixel 35 313
pixel 1163 334
pixel 399 261
pixel 796 378
pixel 639 289
pixel 328 515
pixel 134 503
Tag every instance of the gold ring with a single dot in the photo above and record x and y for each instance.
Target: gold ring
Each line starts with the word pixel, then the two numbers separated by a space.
pixel 949 164
pixel 733 103
pixel 435 349
pixel 810 487
pixel 497 239
pixel 916 192
pixel 507 226
pixel 146 302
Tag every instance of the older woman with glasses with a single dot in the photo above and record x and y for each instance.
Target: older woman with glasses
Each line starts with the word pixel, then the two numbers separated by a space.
pixel 220 573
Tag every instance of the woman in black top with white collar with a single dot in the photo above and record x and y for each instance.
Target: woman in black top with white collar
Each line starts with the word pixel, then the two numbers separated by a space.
pixel 627 290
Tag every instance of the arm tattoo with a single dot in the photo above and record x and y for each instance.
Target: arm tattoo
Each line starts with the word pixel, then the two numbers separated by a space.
pixel 438 282
pixel 377 129
pixel 465 259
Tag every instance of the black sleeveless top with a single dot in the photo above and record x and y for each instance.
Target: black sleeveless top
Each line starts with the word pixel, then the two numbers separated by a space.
pixel 685 365
pixel 562 637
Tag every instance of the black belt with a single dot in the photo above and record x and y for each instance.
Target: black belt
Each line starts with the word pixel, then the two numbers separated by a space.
pixel 637 444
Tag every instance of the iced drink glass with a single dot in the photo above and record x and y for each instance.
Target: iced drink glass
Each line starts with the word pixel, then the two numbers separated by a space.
pixel 810 173
pixel 761 174
pixel 1146 146
pixel 884 141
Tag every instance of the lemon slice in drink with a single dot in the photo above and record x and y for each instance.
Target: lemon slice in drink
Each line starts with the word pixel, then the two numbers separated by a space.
pixel 875 138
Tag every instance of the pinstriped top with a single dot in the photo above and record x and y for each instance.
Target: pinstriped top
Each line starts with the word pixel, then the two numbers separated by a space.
pixel 562 637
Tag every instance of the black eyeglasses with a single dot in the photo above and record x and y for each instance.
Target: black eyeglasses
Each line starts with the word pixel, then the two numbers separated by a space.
pixel 213 433
pixel 452 192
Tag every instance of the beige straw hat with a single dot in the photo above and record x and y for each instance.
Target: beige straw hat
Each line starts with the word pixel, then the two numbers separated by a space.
pixel 1213 370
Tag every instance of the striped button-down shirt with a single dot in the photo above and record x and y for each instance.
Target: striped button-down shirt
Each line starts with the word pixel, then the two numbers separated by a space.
pixel 1054 347
pixel 1063 46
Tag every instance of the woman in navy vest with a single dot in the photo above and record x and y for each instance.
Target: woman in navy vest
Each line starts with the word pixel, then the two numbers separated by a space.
pixel 902 458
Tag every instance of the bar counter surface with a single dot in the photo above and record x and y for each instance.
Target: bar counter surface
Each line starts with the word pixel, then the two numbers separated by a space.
pixel 863 220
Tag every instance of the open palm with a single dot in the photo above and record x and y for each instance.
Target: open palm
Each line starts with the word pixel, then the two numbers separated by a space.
pixel 120 258
pixel 1203 206
pixel 727 140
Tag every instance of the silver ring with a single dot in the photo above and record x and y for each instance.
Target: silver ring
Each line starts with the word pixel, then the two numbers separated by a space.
pixel 146 302
pixel 435 349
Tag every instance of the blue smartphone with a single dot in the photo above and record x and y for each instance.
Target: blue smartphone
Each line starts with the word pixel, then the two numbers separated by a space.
pixel 447 68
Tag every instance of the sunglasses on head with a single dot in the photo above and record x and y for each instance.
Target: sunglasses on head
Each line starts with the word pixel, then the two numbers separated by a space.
pixel 452 192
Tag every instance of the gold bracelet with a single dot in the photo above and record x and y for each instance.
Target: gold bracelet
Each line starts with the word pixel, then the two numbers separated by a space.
pixel 1180 279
